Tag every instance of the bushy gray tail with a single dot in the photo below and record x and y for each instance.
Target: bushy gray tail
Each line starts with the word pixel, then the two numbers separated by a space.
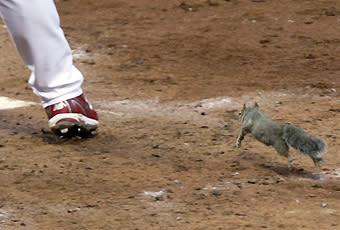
pixel 300 140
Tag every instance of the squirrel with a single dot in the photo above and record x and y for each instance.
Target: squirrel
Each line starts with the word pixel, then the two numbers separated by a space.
pixel 279 136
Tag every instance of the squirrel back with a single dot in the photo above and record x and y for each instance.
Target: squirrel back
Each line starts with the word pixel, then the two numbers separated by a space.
pixel 260 126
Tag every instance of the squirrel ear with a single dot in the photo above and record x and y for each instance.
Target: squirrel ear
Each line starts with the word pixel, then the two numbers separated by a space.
pixel 256 105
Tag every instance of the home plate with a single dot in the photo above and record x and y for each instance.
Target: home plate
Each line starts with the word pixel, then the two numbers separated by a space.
pixel 8 103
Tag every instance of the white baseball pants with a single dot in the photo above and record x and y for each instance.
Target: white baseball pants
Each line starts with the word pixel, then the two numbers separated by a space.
pixel 34 26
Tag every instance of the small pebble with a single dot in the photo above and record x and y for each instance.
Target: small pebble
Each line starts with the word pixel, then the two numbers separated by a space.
pixel 177 181
pixel 73 210
pixel 216 193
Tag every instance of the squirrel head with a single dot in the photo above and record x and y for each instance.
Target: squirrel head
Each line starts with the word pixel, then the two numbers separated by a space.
pixel 244 109
pixel 242 112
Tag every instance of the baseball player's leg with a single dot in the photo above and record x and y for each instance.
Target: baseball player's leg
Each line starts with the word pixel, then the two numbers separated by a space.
pixel 35 29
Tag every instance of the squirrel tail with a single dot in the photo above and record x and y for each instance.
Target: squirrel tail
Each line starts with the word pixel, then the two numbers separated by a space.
pixel 300 140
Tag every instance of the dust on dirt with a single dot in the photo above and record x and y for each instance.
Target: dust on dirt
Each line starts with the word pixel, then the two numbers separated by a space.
pixel 168 79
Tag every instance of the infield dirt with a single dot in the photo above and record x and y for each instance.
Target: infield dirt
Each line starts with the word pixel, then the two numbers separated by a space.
pixel 168 79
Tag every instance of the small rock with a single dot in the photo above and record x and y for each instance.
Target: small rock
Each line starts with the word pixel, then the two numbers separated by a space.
pixel 202 196
pixel 310 56
pixel 73 210
pixel 216 193
pixel 251 181
pixel 264 41
pixel 316 186
pixel 240 214
pixel 279 180
pixel 159 198
pixel 177 181
pixel 155 155
pixel 324 205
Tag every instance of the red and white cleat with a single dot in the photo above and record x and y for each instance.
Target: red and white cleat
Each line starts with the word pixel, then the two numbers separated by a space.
pixel 72 117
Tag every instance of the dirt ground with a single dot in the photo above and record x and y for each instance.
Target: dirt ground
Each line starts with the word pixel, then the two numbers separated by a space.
pixel 168 79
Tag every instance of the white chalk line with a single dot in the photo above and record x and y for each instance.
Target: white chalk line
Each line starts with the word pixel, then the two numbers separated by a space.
pixel 185 110
pixel 5 215
pixel 322 176
pixel 154 194
pixel 9 103
pixel 129 107
pixel 82 54
pixel 174 111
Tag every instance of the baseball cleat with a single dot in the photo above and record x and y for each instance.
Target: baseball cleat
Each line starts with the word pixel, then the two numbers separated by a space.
pixel 72 117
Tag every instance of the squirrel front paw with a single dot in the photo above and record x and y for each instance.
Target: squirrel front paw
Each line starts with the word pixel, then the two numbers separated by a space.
pixel 238 144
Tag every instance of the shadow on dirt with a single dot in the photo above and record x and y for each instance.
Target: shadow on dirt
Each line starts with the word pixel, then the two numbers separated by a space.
pixel 280 169
pixel 296 172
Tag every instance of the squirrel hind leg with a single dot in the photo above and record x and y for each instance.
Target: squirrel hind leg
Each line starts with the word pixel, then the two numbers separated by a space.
pixel 290 162
pixel 282 149
pixel 318 161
